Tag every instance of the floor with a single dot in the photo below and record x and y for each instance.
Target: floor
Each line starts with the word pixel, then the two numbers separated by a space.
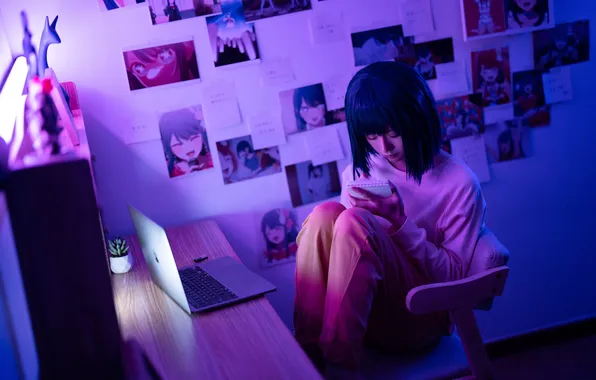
pixel 574 360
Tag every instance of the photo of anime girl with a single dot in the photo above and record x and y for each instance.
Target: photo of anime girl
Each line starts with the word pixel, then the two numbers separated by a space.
pixel 491 76
pixel 507 140
pixel 305 108
pixel 161 65
pixel 110 5
pixel 260 9
pixel 309 183
pixel 383 44
pixel 232 39
pixel 565 44
pixel 184 141
pixel 461 116
pixel 483 17
pixel 523 14
pixel 164 11
pixel 280 230
pixel 528 98
pixel 431 53
pixel 240 161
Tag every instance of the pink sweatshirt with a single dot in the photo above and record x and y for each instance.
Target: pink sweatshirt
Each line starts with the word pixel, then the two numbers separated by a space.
pixel 445 215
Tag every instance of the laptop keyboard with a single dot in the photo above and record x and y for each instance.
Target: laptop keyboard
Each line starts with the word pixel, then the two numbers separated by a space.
pixel 202 289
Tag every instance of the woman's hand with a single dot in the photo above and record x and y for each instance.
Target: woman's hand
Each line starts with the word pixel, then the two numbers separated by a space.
pixel 391 208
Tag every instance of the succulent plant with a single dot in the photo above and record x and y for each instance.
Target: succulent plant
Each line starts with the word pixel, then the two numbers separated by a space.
pixel 118 247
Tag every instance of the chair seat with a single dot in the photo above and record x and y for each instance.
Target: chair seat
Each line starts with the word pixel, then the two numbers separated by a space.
pixel 446 361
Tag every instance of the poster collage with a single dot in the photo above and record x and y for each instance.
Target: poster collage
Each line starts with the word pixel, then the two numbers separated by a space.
pixel 309 109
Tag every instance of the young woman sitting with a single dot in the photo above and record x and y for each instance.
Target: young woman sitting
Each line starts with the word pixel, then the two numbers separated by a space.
pixel 357 260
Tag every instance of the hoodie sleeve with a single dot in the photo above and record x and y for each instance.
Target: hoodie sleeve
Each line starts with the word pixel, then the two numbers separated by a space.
pixel 460 223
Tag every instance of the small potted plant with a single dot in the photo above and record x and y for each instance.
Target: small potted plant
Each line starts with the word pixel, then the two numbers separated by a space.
pixel 120 257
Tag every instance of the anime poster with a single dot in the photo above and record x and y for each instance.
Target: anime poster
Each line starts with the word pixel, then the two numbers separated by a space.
pixel 483 17
pixel 164 11
pixel 565 44
pixel 260 9
pixel 528 98
pixel 239 161
pixel 429 54
pixel 232 39
pixel 522 14
pixel 491 76
pixel 305 108
pixel 383 44
pixel 110 5
pixel 309 183
pixel 161 65
pixel 461 116
pixel 280 229
pixel 184 141
pixel 507 140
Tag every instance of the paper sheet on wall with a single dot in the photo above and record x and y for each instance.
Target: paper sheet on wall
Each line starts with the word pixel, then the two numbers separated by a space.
pixel 417 17
pixel 557 85
pixel 327 27
pixel 452 79
pixel 472 151
pixel 266 130
pixel 335 91
pixel 277 71
pixel 139 127
pixel 220 105
pixel 324 145
pixel 294 151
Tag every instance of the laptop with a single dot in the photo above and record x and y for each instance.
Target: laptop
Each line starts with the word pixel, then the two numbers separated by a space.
pixel 212 284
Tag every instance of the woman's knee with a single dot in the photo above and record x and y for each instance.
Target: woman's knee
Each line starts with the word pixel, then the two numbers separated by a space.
pixel 355 219
pixel 326 213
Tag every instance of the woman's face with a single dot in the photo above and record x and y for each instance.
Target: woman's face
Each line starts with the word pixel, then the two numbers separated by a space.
pixel 489 74
pixel 317 172
pixel 389 145
pixel 227 165
pixel 275 235
pixel 313 115
pixel 526 5
pixel 187 150
pixel 162 70
pixel 560 43
pixel 245 154
pixel 504 148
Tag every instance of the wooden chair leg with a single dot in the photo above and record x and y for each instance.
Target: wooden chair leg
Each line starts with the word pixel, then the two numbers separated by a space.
pixel 467 329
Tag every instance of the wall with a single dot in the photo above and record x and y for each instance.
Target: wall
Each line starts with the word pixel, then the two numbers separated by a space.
pixel 541 207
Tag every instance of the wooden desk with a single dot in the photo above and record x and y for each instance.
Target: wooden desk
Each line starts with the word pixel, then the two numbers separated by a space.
pixel 245 341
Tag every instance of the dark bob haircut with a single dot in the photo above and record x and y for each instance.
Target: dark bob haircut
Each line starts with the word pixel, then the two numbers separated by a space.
pixel 393 95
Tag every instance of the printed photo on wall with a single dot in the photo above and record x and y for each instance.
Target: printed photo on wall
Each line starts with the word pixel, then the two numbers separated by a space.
pixel 110 5
pixel 164 11
pixel 232 39
pixel 565 44
pixel 461 116
pixel 524 14
pixel 309 183
pixel 161 65
pixel 507 140
pixel 431 53
pixel 528 96
pixel 383 44
pixel 259 9
pixel 184 141
pixel 305 108
pixel 239 161
pixel 280 229
pixel 483 17
pixel 491 76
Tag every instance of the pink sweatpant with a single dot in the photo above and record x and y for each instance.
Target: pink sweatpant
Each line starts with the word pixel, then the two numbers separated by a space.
pixel 351 286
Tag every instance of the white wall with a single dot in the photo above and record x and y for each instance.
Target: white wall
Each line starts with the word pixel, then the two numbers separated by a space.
pixel 541 207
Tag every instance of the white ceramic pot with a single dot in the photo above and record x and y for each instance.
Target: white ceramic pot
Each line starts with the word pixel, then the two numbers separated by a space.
pixel 121 264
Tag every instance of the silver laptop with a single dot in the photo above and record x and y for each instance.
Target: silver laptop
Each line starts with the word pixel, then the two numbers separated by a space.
pixel 202 287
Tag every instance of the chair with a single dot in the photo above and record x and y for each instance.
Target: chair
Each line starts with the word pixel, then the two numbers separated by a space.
pixel 464 350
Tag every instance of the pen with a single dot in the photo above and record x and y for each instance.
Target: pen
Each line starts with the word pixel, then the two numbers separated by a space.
pixel 200 259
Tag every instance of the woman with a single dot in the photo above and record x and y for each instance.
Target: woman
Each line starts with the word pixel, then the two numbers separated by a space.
pixel 310 108
pixel 357 260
